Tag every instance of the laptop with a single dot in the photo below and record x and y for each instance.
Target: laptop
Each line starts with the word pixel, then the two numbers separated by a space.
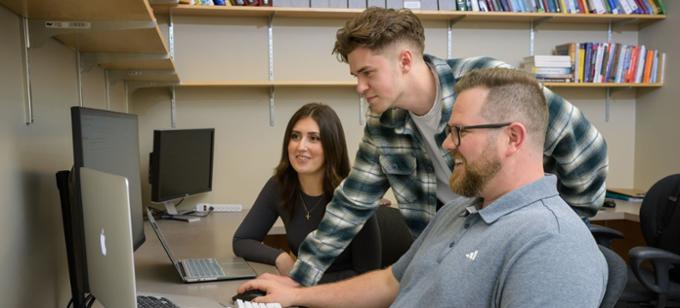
pixel 204 269
pixel 108 246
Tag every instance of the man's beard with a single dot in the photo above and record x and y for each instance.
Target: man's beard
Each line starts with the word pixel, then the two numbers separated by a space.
pixel 468 180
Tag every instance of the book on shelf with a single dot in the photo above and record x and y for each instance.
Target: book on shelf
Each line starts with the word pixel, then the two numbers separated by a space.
pixel 600 62
pixel 548 61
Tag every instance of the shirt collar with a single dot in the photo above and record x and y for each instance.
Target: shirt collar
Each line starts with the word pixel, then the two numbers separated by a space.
pixel 543 188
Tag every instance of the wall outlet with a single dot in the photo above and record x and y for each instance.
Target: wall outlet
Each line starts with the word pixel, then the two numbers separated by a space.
pixel 204 207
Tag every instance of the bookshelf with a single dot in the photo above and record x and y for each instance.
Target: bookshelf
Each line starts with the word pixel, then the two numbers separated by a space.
pixel 116 27
pixel 641 20
pixel 245 11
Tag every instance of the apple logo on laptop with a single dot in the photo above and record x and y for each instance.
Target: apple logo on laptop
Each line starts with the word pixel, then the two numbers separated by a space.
pixel 102 242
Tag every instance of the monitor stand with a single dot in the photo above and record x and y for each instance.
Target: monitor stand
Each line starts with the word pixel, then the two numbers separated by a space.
pixel 172 213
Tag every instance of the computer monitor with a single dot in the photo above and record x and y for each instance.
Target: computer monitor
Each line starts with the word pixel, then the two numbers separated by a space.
pixel 109 142
pixel 181 164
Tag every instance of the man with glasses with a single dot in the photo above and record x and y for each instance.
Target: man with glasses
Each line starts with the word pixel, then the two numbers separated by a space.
pixel 410 96
pixel 511 242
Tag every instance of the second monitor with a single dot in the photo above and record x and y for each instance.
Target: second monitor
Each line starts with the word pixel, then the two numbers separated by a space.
pixel 181 164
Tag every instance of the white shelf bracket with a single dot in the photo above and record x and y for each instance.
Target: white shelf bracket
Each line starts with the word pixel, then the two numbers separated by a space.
pixel 79 78
pixel 449 41
pixel 173 107
pixel 362 111
pixel 107 86
pixel 270 55
pixel 272 110
pixel 607 101
pixel 171 35
pixel 26 61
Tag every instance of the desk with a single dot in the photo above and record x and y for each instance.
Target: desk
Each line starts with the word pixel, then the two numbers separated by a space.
pixel 209 237
pixel 624 210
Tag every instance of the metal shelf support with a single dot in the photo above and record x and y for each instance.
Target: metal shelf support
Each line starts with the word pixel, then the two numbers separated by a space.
pixel 270 54
pixel 26 61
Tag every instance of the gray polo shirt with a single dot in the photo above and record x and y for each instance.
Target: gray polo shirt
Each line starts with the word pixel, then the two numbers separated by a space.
pixel 526 249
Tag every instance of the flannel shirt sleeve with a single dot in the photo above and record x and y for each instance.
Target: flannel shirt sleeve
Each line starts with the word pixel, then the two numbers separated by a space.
pixel 576 153
pixel 354 201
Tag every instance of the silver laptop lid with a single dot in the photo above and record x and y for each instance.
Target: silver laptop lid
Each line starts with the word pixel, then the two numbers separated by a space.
pixel 161 238
pixel 108 238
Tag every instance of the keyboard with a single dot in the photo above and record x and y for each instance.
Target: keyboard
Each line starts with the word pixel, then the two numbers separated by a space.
pixel 202 268
pixel 155 302
pixel 241 304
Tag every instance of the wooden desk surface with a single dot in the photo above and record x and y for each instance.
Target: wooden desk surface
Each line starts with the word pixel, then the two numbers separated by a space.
pixel 624 210
pixel 209 237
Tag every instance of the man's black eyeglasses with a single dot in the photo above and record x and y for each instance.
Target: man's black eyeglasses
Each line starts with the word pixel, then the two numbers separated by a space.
pixel 455 130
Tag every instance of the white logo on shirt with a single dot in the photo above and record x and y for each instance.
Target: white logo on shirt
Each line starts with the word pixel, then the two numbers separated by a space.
pixel 471 255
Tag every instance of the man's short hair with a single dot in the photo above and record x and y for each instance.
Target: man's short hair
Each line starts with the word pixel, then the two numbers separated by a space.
pixel 514 95
pixel 376 28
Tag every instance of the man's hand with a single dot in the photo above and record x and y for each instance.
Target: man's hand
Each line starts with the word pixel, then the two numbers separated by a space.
pixel 283 280
pixel 276 292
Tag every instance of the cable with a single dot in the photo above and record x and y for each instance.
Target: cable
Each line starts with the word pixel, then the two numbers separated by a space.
pixel 206 214
pixel 70 303
pixel 91 299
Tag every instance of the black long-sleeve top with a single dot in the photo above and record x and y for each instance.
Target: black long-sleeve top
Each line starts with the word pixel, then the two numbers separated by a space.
pixel 362 255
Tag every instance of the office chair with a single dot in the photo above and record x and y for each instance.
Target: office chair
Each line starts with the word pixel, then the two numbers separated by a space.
pixel 395 236
pixel 604 235
pixel 618 276
pixel 660 224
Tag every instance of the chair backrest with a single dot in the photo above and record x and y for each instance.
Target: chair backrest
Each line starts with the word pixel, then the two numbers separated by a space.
pixel 395 236
pixel 660 217
pixel 618 277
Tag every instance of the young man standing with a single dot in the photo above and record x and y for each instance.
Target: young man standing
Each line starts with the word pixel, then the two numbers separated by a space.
pixel 411 96
pixel 513 243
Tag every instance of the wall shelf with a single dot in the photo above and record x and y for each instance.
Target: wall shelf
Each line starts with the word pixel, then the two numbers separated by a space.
pixel 245 11
pixel 266 83
pixel 601 85
pixel 146 40
pixel 306 83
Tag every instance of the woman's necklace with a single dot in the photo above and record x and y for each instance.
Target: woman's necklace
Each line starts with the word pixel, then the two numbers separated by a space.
pixel 309 210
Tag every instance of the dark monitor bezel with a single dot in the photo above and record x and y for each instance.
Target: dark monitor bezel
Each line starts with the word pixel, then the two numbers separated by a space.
pixel 155 158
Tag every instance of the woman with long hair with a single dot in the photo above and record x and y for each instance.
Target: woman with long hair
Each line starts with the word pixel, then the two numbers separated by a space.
pixel 313 162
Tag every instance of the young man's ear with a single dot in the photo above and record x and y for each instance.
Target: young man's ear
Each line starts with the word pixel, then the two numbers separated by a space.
pixel 405 60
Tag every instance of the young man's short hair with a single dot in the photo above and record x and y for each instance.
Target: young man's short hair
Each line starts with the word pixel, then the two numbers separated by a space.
pixel 376 28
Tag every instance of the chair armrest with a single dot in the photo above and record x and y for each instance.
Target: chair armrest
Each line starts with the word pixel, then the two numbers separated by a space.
pixel 662 260
pixel 604 235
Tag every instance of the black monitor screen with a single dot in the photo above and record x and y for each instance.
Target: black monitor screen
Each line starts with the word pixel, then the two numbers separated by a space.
pixel 181 163
pixel 109 141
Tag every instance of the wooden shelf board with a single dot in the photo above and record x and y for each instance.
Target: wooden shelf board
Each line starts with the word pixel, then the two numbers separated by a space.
pixel 265 83
pixel 165 64
pixel 290 83
pixel 601 85
pixel 72 10
pixel 233 11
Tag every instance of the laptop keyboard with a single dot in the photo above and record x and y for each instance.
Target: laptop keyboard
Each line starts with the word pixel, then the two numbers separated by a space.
pixel 154 302
pixel 202 268
pixel 241 304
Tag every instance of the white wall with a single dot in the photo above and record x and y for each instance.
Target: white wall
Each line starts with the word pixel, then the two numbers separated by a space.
pixel 32 252
pixel 657 142
pixel 229 48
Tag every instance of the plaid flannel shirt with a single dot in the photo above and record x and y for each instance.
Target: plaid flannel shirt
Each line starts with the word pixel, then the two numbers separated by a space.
pixel 392 154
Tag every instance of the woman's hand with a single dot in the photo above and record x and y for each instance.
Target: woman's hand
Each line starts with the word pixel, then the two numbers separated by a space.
pixel 284 263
